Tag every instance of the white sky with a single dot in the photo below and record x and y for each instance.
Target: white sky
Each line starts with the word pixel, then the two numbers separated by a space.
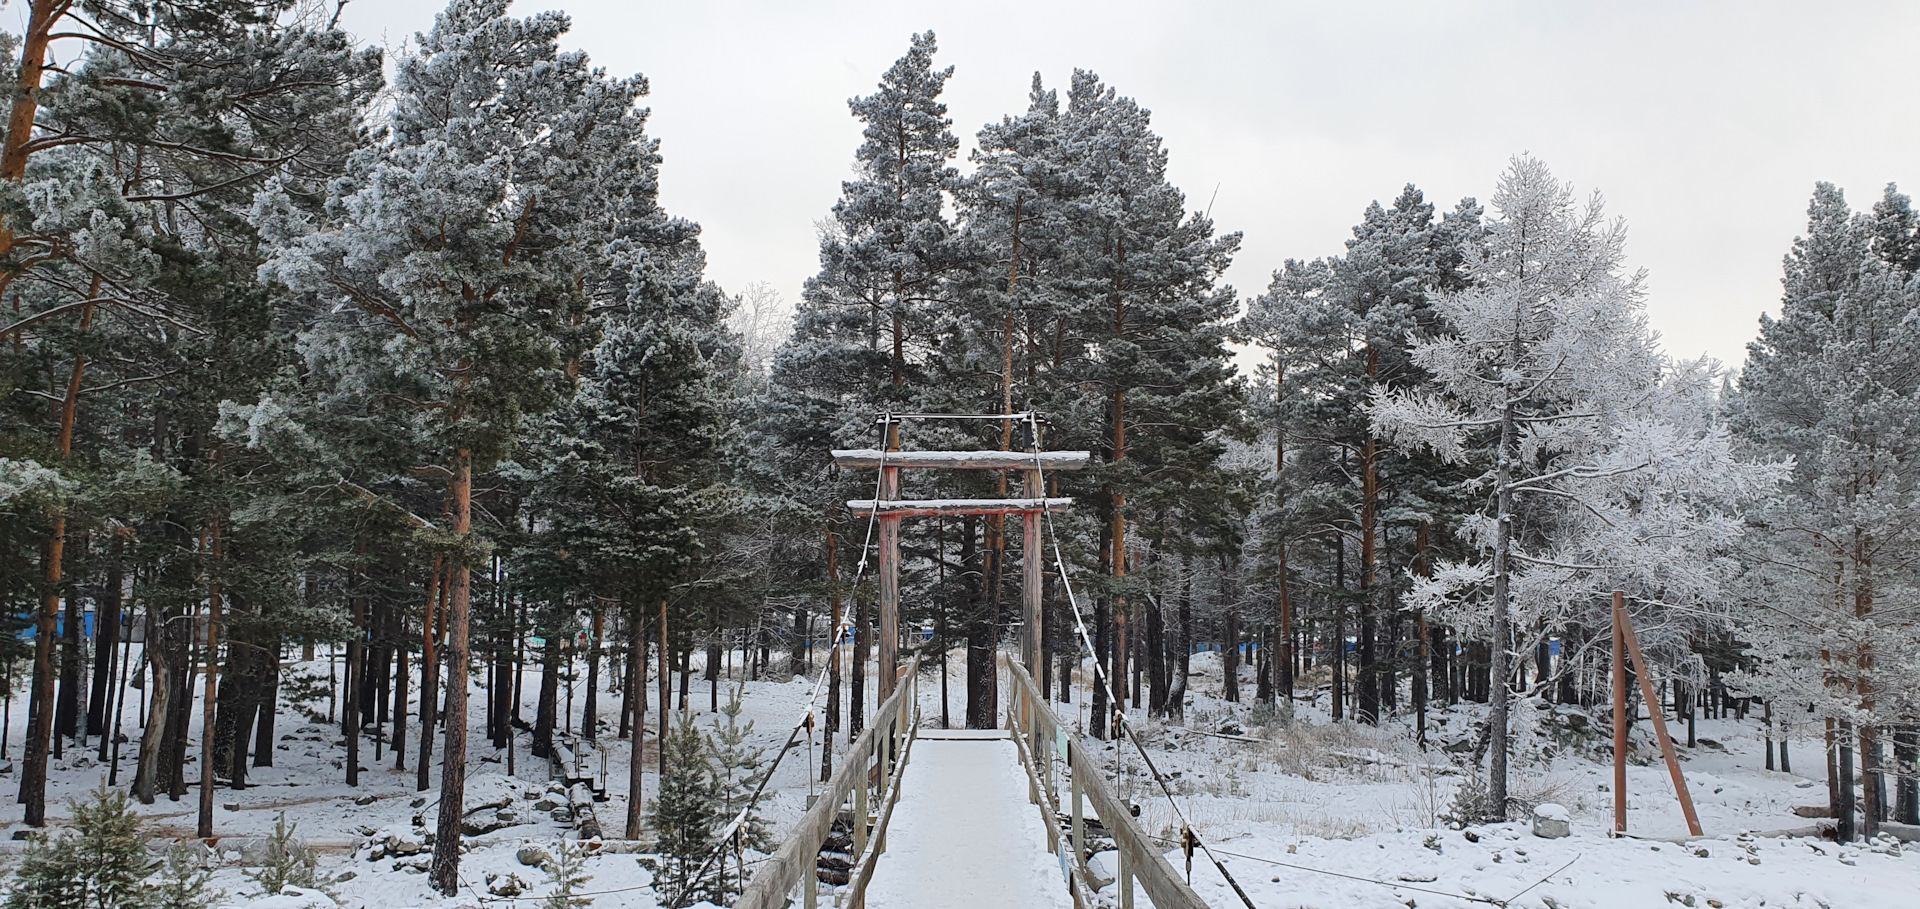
pixel 1705 124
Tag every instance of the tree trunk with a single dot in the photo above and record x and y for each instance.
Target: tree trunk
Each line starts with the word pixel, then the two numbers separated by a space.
pixel 1499 670
pixel 545 715
pixel 106 644
pixel 1906 756
pixel 159 647
pixel 1230 658
pixel 1844 828
pixel 1156 662
pixel 637 745
pixel 590 710
pixel 800 664
pixel 445 874
pixel 437 591
pixel 212 659
pixel 269 708
pixel 66 715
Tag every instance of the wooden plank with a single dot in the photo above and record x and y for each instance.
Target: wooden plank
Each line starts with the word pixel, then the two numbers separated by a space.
pixel 867 458
pixel 929 508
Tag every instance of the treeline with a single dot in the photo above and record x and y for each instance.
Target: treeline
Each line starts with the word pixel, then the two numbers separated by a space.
pixel 424 371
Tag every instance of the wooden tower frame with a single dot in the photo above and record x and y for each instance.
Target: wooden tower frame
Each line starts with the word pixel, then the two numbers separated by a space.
pixel 890 508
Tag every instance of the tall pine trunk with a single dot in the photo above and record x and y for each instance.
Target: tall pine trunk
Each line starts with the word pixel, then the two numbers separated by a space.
pixel 445 874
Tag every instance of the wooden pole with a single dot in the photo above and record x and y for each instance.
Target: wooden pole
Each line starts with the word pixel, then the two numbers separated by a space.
pixel 1659 718
pixel 889 584
pixel 1031 583
pixel 1619 716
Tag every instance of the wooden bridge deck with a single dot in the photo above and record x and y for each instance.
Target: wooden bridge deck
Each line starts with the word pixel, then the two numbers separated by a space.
pixel 963 834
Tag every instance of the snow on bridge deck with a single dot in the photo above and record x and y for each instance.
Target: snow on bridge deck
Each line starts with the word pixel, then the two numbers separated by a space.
pixel 963 834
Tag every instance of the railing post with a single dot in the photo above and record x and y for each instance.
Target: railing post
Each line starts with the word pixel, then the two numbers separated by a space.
pixel 860 806
pixel 1126 878
pixel 1079 813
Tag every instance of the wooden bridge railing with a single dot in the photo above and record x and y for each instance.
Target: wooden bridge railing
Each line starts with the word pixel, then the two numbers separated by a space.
pixel 1046 747
pixel 876 759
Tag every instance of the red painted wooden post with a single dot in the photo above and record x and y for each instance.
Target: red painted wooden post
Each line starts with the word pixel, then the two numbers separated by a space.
pixel 889 582
pixel 1030 543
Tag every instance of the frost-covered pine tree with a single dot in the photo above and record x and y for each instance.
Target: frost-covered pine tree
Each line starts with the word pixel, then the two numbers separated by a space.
pixel 1605 465
pixel 1833 384
pixel 447 271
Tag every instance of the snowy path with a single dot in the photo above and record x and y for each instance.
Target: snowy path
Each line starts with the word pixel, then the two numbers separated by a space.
pixel 964 835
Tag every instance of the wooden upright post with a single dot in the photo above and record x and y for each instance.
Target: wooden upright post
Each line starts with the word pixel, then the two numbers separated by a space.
pixel 1656 714
pixel 1030 583
pixel 889 583
pixel 1619 716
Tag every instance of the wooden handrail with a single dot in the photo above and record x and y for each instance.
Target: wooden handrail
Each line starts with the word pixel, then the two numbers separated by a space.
pixel 796 862
pixel 1139 858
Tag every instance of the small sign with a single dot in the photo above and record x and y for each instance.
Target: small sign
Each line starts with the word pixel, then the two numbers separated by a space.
pixel 1066 869
pixel 1060 743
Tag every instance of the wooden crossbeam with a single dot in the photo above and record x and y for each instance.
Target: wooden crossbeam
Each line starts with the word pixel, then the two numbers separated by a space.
pixel 963 460
pixel 929 508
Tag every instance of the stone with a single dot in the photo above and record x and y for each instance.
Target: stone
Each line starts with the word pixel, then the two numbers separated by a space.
pixel 545 805
pixel 366 800
pixel 1551 821
pixel 508 885
pixel 533 856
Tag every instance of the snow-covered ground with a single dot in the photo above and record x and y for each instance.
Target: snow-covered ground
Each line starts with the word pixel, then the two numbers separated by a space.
pixel 1288 813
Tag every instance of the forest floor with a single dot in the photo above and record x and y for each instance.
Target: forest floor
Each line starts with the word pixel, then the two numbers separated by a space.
pixel 1303 812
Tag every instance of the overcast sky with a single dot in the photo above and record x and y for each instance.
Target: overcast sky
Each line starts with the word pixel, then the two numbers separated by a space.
pixel 1705 125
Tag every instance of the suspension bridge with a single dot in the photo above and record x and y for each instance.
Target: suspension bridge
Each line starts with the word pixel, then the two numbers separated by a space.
pixel 1014 817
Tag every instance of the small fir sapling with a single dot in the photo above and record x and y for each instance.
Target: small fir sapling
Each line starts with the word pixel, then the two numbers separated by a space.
pixel 736 772
pixel 184 881
pixel 289 863
pixel 567 873
pixel 101 863
pixel 685 813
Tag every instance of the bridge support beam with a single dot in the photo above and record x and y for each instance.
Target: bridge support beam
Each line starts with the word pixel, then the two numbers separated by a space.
pixel 1030 591
pixel 889 585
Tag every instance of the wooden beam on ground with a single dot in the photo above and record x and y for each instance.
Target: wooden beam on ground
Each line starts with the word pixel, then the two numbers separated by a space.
pixel 931 508
pixel 963 460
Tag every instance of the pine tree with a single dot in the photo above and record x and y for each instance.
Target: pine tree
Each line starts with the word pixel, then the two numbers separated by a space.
pixel 685 814
pixel 185 882
pixel 1830 384
pixel 100 864
pixel 567 873
pixel 736 772
pixel 288 862
pixel 459 246
pixel 1337 332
